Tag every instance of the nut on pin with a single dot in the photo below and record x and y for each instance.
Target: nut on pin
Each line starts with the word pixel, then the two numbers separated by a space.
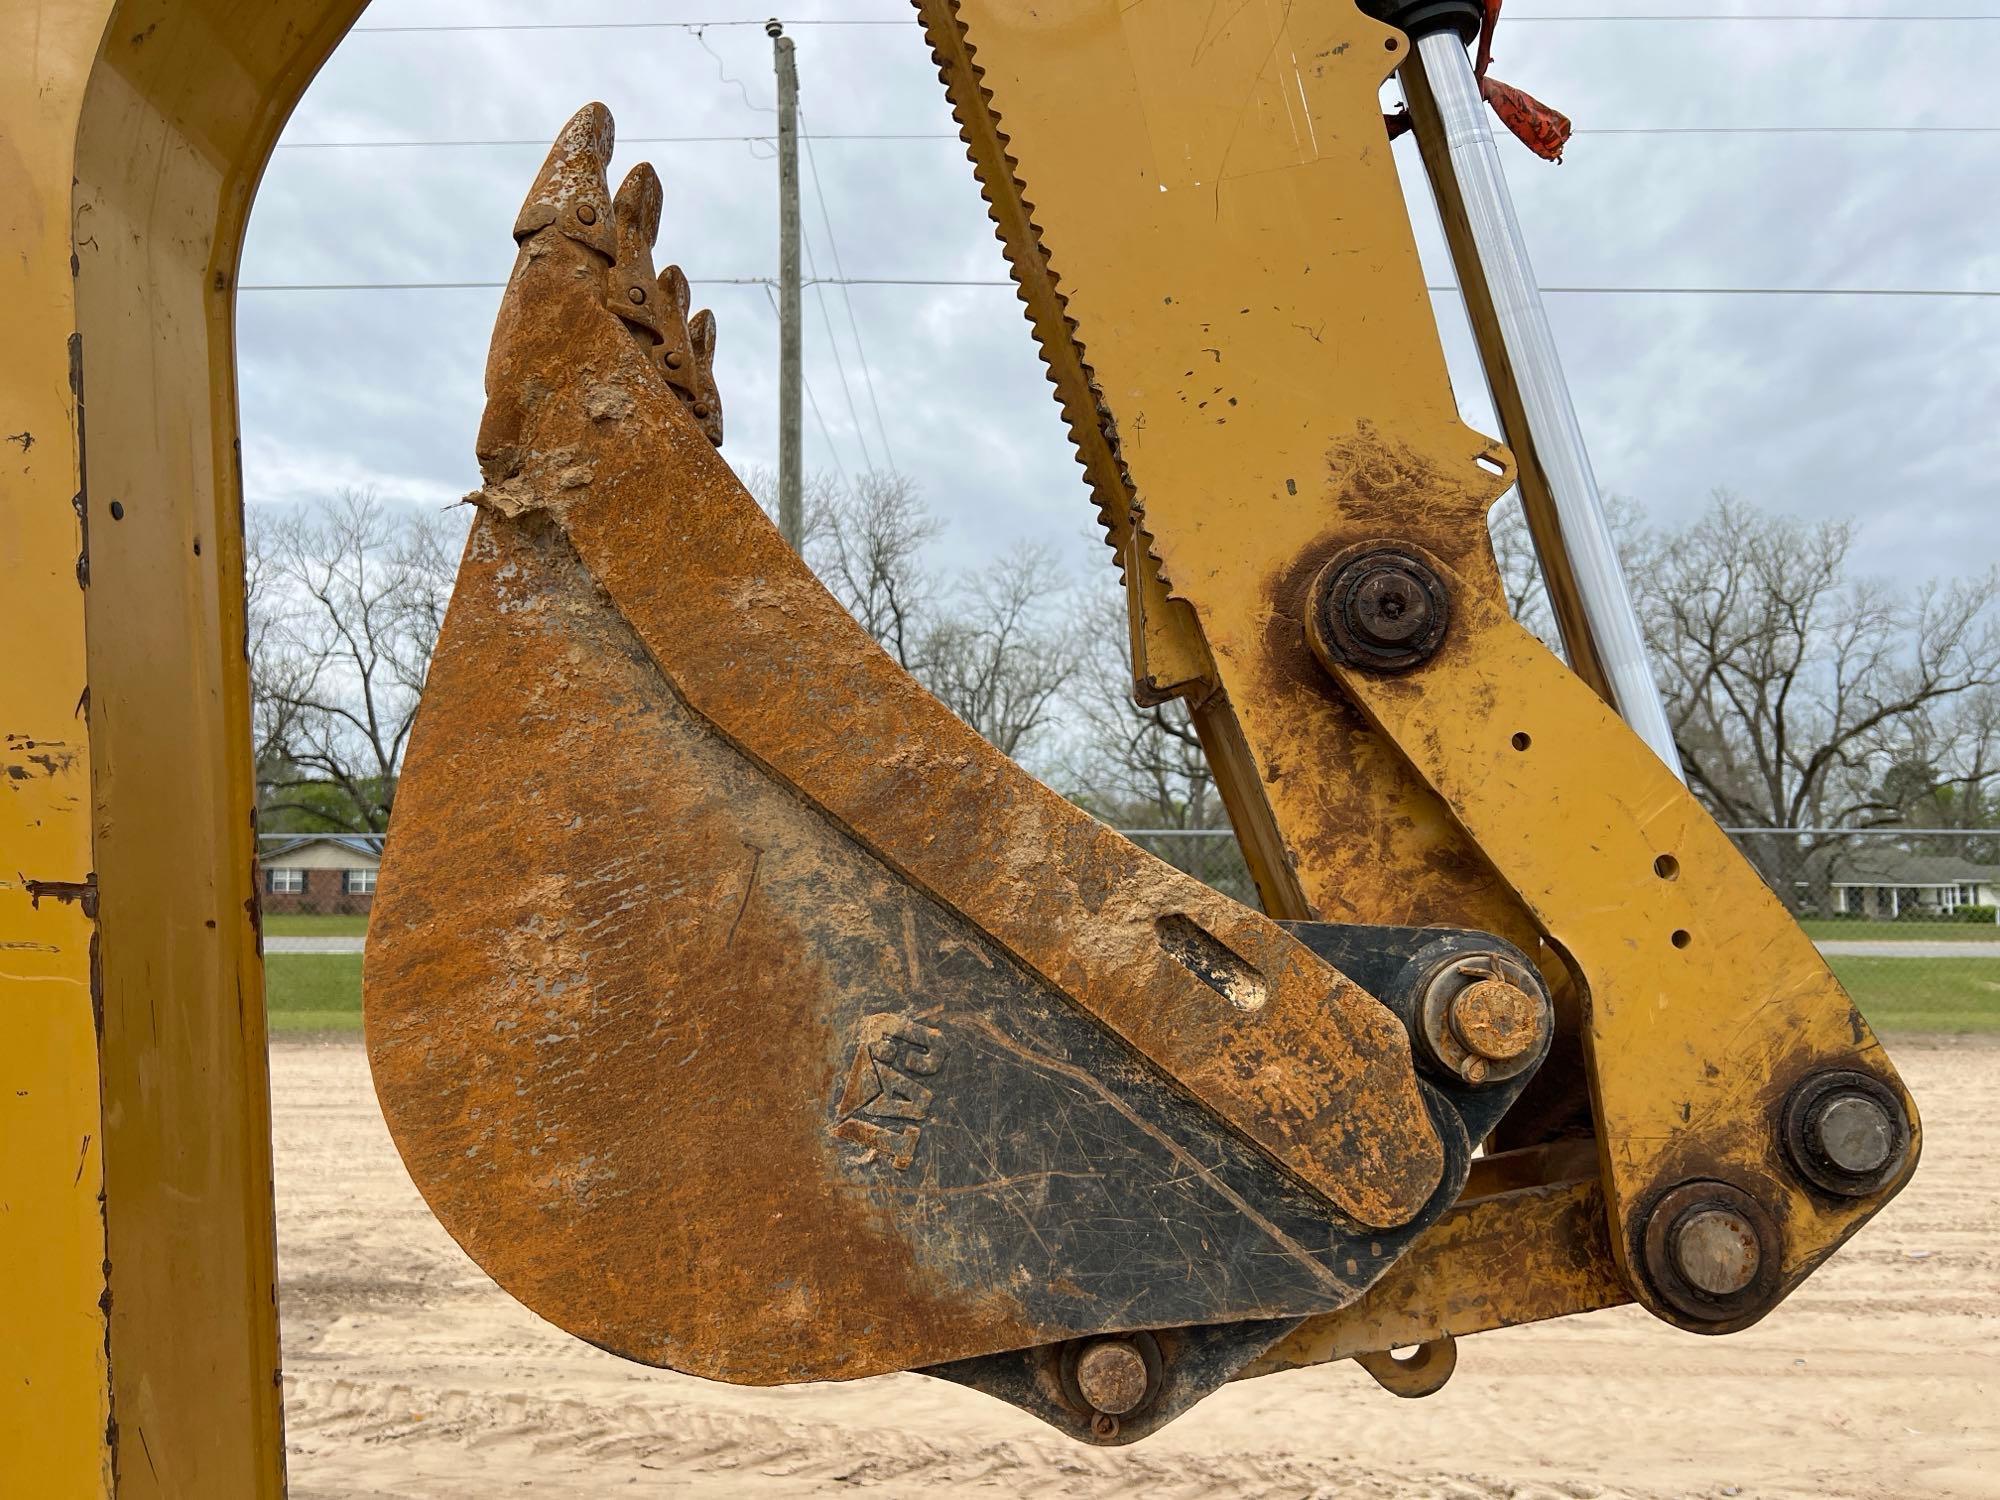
pixel 1484 1017
pixel 1380 607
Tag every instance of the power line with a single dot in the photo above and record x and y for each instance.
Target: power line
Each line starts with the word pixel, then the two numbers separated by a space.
pixel 1512 19
pixel 1443 286
pixel 447 286
pixel 526 143
pixel 454 286
pixel 696 26
pixel 723 75
pixel 623 140
pixel 1750 291
pixel 813 401
pixel 1787 130
pixel 916 281
pixel 854 324
pixel 839 362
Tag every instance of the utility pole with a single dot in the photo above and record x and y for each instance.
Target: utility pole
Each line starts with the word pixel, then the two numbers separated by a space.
pixel 791 472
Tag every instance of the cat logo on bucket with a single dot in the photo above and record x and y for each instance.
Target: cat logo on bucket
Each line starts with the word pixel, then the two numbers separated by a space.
pixel 883 1107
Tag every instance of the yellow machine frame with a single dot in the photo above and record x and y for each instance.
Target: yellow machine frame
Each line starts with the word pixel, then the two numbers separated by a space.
pixel 136 1242
pixel 141 1352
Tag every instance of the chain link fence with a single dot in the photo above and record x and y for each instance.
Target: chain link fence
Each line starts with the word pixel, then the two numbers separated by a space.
pixel 1909 918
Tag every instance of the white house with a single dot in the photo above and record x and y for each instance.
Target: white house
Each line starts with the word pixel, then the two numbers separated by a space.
pixel 1889 883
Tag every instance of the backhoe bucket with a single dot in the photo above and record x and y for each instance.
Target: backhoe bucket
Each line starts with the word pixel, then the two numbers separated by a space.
pixel 739 1009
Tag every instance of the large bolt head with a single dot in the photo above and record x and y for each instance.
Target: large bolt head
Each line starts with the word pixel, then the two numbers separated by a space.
pixel 1717 1251
pixel 1482 1016
pixel 1111 1374
pixel 1712 1253
pixel 1846 1132
pixel 1855 1133
pixel 1388 607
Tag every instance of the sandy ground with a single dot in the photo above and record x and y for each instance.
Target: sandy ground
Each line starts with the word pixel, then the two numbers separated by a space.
pixel 410 1374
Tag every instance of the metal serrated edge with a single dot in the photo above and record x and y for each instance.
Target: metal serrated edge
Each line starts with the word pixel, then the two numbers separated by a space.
pixel 1093 432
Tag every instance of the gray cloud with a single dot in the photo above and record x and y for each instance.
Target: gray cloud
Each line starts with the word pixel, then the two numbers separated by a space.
pixel 1878 409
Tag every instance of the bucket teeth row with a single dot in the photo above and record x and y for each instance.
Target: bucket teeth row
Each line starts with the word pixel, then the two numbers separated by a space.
pixel 571 198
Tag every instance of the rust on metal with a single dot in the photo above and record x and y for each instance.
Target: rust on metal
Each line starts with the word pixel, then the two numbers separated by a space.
pixel 1378 608
pixel 1318 800
pixel 1716 1249
pixel 1424 1371
pixel 1485 1016
pixel 1705 1002
pixel 800 941
pixel 693 567
pixel 1496 1020
pixel 1845 1131
pixel 1510 1256
pixel 678 1080
pixel 1713 1252
pixel 1295 408
pixel 1111 1376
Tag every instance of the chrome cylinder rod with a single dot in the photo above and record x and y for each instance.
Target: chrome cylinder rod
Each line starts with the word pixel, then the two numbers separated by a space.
pixel 1554 436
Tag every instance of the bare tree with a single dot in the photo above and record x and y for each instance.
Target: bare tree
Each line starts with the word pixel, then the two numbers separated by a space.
pixel 345 597
pixel 1521 576
pixel 1520 570
pixel 1136 765
pixel 1791 685
pixel 1942 770
pixel 1001 653
pixel 1802 697
pixel 276 675
pixel 867 543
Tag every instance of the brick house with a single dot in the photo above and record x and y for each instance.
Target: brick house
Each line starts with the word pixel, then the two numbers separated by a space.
pixel 322 874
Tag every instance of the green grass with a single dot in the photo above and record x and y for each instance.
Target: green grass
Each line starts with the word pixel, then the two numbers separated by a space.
pixel 313 991
pixel 1905 932
pixel 1924 994
pixel 305 926
pixel 322 992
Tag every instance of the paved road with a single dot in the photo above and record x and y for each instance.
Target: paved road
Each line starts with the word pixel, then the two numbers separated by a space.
pixel 1917 948
pixel 314 944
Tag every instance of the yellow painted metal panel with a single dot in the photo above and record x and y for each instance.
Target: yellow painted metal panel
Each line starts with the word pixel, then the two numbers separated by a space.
pixel 1231 266
pixel 134 1132
pixel 1237 279
pixel 1706 1002
pixel 54 1392
pixel 184 104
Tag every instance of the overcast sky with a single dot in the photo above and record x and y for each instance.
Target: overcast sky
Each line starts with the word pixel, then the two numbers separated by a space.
pixel 1877 408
